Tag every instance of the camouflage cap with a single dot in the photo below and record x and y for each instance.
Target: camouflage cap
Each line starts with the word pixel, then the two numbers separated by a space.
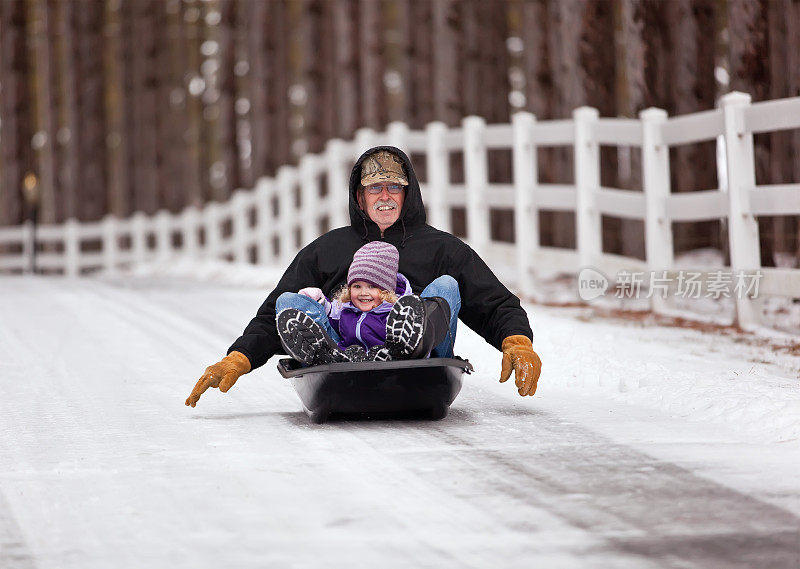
pixel 382 166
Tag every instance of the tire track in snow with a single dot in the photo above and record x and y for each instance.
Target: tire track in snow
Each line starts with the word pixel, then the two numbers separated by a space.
pixel 14 552
pixel 639 505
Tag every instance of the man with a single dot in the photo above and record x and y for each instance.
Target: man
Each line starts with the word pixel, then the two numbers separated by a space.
pixel 379 210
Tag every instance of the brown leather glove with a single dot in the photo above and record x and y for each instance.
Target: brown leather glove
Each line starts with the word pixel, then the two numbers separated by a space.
pixel 518 355
pixel 222 374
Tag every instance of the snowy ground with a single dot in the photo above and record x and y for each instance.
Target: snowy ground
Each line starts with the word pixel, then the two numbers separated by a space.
pixel 644 447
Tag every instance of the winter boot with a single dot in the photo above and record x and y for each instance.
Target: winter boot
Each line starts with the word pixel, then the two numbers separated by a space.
pixel 436 325
pixel 404 327
pixel 379 354
pixel 416 325
pixel 305 340
pixel 356 353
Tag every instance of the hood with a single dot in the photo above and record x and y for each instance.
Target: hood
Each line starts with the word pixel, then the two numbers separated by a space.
pixel 412 214
pixel 403 287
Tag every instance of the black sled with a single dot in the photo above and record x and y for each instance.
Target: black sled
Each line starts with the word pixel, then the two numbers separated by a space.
pixel 408 387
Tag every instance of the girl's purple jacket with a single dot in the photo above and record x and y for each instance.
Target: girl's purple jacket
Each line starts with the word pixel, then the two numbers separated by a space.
pixel 366 329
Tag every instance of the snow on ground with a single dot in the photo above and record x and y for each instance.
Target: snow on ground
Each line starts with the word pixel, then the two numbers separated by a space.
pixel 645 446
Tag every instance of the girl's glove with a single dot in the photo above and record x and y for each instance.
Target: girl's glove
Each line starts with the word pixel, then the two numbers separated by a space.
pixel 313 293
pixel 222 374
pixel 518 355
pixel 316 295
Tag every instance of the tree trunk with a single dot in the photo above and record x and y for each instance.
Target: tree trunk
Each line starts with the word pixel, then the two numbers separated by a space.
pixel 197 178
pixel 67 138
pixel 173 151
pixel 15 137
pixel 258 81
pixel 749 42
pixel 370 51
pixel 323 75
pixel 564 40
pixel 347 93
pixel 540 99
pixel 536 61
pixel 793 72
pixel 492 32
pixel 396 14
pixel 226 143
pixel 143 108
pixel 691 89
pixel 279 86
pixel 420 56
pixel 47 110
pixel 117 70
pixel 311 51
pixel 91 135
pixel 781 163
pixel 446 62
pixel 472 42
pixel 630 95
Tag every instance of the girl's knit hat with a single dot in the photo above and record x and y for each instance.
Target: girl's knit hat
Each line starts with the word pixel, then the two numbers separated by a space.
pixel 376 263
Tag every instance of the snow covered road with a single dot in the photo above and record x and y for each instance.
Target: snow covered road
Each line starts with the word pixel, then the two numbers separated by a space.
pixel 645 447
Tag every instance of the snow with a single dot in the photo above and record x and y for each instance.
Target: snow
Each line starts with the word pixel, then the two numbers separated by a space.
pixel 645 446
pixel 779 316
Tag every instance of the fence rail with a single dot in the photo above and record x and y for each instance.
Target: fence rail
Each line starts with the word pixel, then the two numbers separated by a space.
pixel 269 223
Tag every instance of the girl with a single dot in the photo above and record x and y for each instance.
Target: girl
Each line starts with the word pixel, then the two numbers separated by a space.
pixel 353 325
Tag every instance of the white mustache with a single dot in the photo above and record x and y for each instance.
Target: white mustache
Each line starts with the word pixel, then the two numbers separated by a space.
pixel 380 203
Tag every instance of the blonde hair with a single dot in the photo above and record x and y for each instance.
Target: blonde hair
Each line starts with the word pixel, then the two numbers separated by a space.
pixel 385 295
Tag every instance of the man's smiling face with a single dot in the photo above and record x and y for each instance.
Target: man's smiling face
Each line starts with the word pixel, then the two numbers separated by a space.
pixel 382 207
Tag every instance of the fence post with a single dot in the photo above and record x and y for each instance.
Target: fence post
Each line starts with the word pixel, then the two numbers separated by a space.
pixel 587 181
pixel 655 183
pixel 526 214
pixel 190 220
pixel 264 221
pixel 397 133
pixel 437 164
pixel 72 248
pixel 212 230
pixel 110 245
pixel 139 238
pixel 239 222
pixel 163 241
pixel 476 178
pixel 309 199
pixel 742 225
pixel 338 184
pixel 287 180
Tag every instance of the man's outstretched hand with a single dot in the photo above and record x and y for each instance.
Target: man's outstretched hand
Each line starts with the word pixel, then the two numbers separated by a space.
pixel 518 355
pixel 222 374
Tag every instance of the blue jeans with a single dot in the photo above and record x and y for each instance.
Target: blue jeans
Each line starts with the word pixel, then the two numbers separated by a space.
pixel 447 288
pixel 444 286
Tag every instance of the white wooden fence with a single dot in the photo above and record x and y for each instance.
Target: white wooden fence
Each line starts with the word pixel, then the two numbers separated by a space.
pixel 247 227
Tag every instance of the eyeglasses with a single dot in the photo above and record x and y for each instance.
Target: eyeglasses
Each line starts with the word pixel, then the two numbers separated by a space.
pixel 378 188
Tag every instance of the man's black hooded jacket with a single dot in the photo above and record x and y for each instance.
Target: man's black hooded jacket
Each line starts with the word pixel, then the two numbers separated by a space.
pixel 426 253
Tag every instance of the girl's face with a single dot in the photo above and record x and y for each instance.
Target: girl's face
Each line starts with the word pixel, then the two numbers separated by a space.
pixel 364 296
